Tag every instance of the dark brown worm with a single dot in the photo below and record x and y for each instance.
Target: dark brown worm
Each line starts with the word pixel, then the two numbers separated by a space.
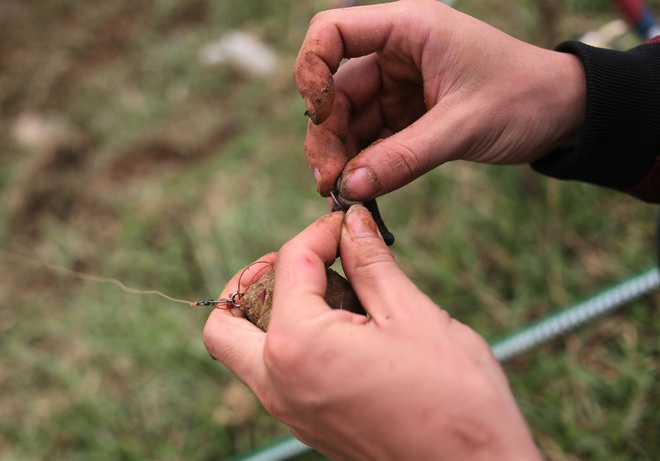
pixel 343 204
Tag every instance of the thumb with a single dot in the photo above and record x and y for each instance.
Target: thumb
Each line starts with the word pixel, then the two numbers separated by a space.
pixel 393 162
pixel 371 268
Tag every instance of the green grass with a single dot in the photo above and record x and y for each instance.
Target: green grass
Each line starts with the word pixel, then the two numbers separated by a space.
pixel 172 176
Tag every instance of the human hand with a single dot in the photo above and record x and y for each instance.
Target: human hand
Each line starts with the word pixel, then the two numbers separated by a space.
pixel 434 85
pixel 407 382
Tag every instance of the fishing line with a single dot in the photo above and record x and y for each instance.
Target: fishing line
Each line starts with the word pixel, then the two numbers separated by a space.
pixel 36 263
pixel 233 300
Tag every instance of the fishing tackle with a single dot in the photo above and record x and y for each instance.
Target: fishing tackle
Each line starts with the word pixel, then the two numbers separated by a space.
pixel 233 301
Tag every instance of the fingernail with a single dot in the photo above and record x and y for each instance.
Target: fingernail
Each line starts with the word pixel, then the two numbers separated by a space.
pixel 359 222
pixel 317 175
pixel 360 184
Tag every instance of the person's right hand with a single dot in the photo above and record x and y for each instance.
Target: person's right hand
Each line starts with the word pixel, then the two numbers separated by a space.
pixel 434 85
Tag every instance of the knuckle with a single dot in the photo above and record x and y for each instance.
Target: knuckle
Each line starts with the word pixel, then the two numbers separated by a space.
pixel 373 262
pixel 283 354
pixel 321 17
pixel 475 345
pixel 209 339
pixel 218 351
pixel 370 255
pixel 275 407
pixel 402 161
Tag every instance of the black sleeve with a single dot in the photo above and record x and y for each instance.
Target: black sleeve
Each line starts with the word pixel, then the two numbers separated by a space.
pixel 620 142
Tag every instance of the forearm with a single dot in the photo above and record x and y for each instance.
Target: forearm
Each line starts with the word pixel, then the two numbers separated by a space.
pixel 620 141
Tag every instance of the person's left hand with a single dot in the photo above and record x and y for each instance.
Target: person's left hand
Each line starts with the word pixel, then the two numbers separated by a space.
pixel 406 382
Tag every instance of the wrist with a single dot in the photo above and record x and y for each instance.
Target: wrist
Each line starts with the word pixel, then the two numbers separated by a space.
pixel 487 426
pixel 619 142
pixel 509 440
pixel 569 90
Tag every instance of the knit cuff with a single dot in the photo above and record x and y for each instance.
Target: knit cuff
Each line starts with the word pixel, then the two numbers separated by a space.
pixel 621 134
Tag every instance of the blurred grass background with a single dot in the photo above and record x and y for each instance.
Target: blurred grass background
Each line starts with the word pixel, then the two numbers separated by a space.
pixel 122 154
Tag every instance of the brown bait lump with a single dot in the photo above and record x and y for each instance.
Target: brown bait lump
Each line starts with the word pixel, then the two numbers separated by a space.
pixel 257 301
